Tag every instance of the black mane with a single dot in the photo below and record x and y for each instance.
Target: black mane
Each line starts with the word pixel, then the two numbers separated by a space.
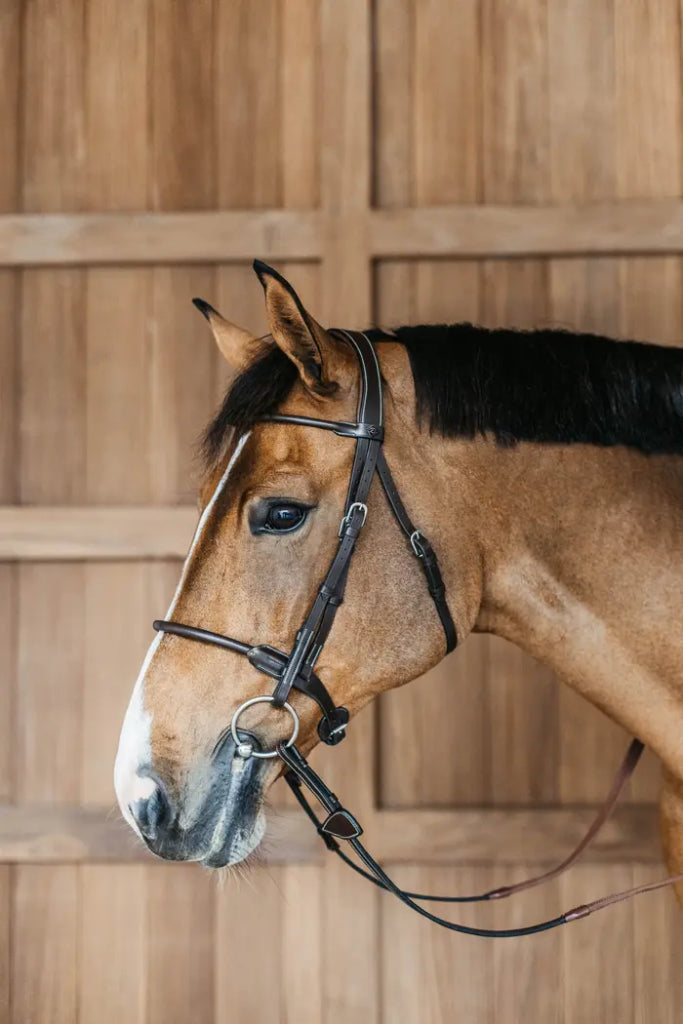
pixel 548 386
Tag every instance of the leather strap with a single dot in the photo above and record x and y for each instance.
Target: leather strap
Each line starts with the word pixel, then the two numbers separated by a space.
pixel 423 550
pixel 271 662
pixel 341 824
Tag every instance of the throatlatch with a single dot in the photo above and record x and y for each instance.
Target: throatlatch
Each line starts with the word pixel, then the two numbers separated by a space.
pixel 296 670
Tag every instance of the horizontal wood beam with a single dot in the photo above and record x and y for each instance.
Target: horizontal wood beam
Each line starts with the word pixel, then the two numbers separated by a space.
pixel 46 533
pixel 491 835
pixel 116 238
pixel 48 834
pixel 633 226
pixel 223 236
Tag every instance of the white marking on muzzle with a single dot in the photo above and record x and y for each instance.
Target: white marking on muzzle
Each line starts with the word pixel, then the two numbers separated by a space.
pixel 135 743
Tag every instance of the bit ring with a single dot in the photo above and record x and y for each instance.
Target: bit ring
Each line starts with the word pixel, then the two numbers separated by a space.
pixel 242 747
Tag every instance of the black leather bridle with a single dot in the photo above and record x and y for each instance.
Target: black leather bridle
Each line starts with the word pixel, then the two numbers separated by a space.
pixel 296 670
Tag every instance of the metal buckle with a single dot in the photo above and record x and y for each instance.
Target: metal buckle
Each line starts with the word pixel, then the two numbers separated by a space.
pixel 246 750
pixel 347 518
pixel 414 539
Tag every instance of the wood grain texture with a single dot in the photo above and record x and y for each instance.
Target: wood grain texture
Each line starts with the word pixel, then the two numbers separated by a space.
pixel 113 963
pixel 249 953
pixel 179 934
pixel 117 238
pixel 45 944
pixel 5 943
pixel 68 533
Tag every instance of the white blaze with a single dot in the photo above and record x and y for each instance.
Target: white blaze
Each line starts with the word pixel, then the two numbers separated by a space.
pixel 135 743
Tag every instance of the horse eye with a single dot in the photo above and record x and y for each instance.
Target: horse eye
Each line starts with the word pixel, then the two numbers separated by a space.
pixel 284 518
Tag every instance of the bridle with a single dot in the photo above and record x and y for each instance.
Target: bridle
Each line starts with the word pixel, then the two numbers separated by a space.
pixel 296 670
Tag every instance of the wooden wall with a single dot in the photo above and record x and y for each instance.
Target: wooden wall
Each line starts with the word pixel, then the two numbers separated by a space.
pixel 511 162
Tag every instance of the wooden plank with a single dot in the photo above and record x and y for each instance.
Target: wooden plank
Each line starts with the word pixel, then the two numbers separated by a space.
pixel 45 945
pixel 113 963
pixel 299 103
pixel 568 229
pixel 249 986
pixel 117 464
pixel 8 671
pixel 49 683
pixel 117 108
pixel 447 711
pixel 593 946
pixel 301 944
pixel 657 935
pixel 528 973
pixel 53 108
pixel 562 229
pixel 52 435
pixel 180 947
pixel 247 106
pixel 183 362
pixel 51 834
pixel 345 145
pixel 428 973
pixel 116 238
pixel 182 99
pixel 5 943
pixel 489 835
pixel 48 533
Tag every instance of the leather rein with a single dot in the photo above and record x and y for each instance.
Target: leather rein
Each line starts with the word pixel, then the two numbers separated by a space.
pixel 296 670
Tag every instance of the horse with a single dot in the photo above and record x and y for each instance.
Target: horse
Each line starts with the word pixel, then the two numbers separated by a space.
pixel 545 467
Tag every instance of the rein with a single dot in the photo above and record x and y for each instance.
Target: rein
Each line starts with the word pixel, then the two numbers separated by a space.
pixel 296 670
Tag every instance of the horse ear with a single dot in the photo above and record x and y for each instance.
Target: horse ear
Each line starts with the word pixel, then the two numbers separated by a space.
pixel 237 346
pixel 295 331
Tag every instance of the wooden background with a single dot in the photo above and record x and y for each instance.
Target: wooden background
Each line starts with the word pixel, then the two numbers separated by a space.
pixel 512 162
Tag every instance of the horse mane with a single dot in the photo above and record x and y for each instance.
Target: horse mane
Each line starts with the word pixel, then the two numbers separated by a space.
pixel 545 386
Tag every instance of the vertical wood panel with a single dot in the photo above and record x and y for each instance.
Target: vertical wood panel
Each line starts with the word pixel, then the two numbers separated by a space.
pixel 53 108
pixel 182 374
pixel 246 85
pixel 658 934
pixel 249 949
pixel 8 627
pixel 5 942
pixel 112 963
pixel 50 682
pixel 180 951
pixel 45 946
pixel 429 974
pixel 302 945
pixel 183 97
pixel 299 103
pixel 598 951
pixel 116 128
pixel 528 973
pixel 52 441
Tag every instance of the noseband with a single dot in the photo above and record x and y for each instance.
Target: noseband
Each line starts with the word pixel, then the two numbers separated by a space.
pixel 296 670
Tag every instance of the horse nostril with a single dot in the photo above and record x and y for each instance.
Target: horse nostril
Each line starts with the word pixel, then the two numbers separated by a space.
pixel 153 813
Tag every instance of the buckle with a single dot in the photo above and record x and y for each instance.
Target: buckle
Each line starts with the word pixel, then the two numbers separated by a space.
pixel 346 520
pixel 415 539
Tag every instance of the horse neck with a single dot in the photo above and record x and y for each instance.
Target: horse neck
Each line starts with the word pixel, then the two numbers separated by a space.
pixel 582 550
